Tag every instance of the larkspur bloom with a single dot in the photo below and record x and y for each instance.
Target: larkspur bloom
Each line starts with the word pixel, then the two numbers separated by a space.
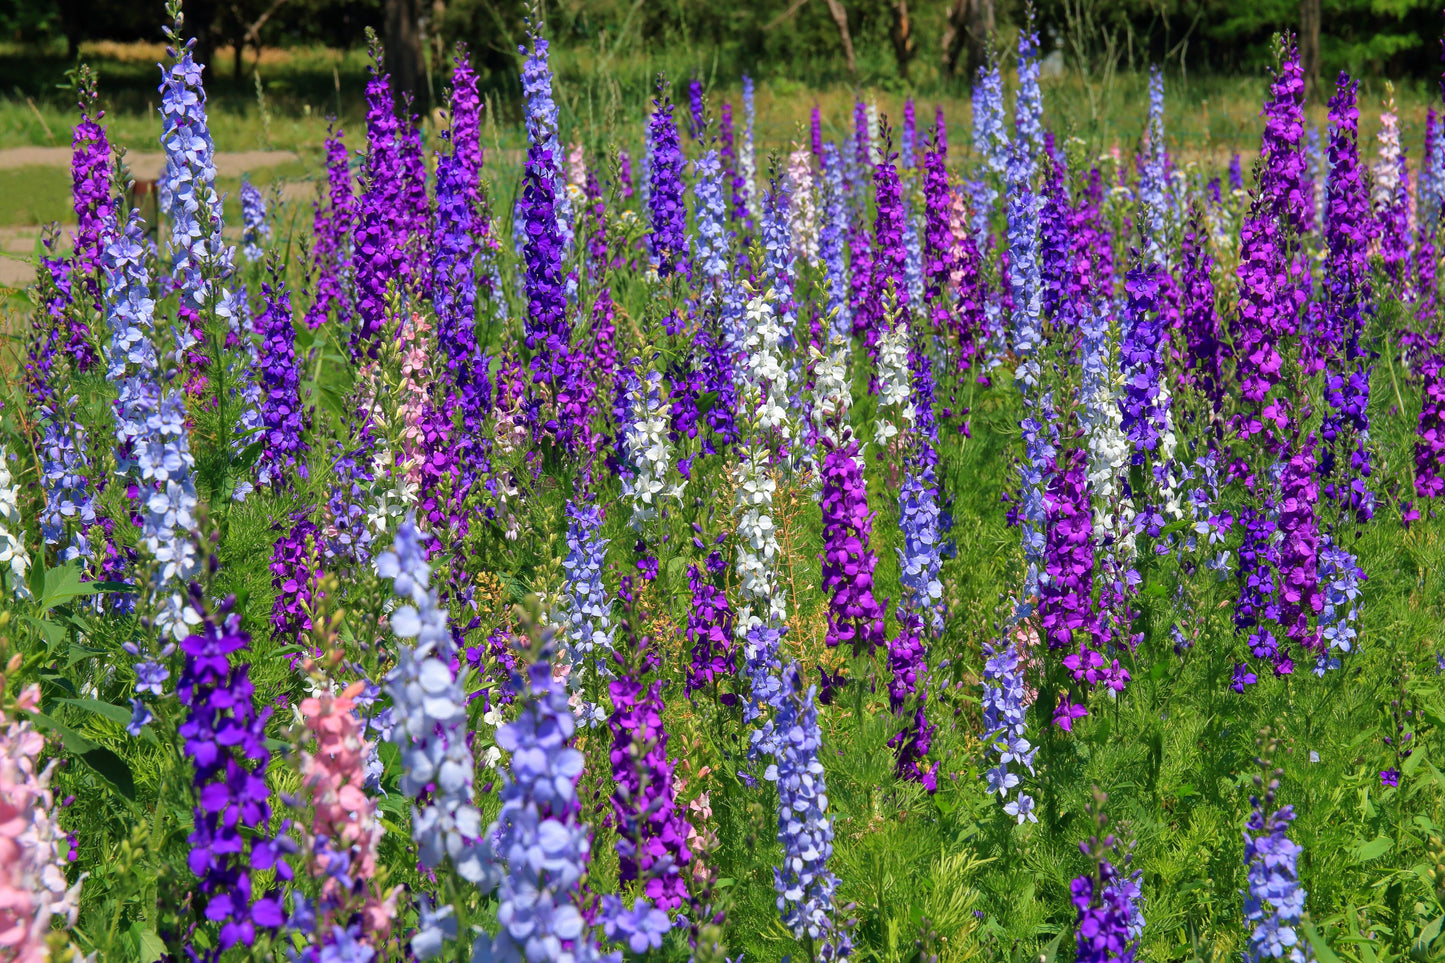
pixel 586 610
pixel 256 229
pixel 539 834
pixel 430 717
pixel 1005 725
pixel 802 211
pixel 94 213
pixel 201 260
pixel 747 158
pixel 332 227
pixel 69 511
pixel 855 617
pixel 651 829
pixel 33 887
pixel 224 738
pixel 668 239
pixel 14 556
pixel 650 480
pixel 282 416
pixel 377 241
pixel 710 247
pixel 710 628
pixel 763 599
pixel 543 127
pixel 832 239
pixel 343 839
pixel 1274 902
pixel 1152 179
pixel 804 884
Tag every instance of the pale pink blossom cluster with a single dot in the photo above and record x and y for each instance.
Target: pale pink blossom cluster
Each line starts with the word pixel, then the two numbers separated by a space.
pixel 33 887
pixel 416 375
pixel 343 814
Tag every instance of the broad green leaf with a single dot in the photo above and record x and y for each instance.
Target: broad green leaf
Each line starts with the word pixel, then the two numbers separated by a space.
pixel 148 946
pixel 103 709
pixel 1374 849
pixel 62 584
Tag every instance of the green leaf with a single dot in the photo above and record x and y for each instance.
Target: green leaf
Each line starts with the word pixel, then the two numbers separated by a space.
pixel 1374 849
pixel 112 769
pixel 106 764
pixel 62 584
pixel 105 710
pixel 148 946
pixel 79 653
pixel 1323 953
pixel 52 632
pixel 1427 936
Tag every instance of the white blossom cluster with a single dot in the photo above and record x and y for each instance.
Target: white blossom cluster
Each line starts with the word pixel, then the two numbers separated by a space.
pixel 1102 422
pixel 766 380
pixel 648 452
pixel 831 391
pixel 14 559
pixel 757 537
pixel 895 388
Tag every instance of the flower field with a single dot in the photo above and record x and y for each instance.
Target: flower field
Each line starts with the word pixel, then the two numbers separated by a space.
pixel 926 545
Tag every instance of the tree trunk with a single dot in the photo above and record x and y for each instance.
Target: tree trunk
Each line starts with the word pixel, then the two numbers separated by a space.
pixel 840 17
pixel 403 57
pixel 1309 45
pixel 902 37
pixel 966 34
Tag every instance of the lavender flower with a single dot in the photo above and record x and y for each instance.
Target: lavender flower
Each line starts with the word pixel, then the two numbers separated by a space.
pixel 333 227
pixel 543 129
pixel 804 883
pixel 710 627
pixel 256 229
pixel 747 159
pixel 1005 723
pixel 1152 178
pixel 69 502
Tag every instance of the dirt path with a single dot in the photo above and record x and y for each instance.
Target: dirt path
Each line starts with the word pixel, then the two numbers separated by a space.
pixel 147 165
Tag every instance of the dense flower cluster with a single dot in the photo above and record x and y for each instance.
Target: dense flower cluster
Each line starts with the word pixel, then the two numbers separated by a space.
pixel 225 741
pixel 282 415
pixel 710 628
pixel 333 226
pixel 430 718
pixel 804 883
pixel 343 840
pixel 69 501
pixel 539 835
pixel 1274 902
pixel 94 213
pixel 668 240
pixel 1005 725
pixel 586 610
pixel 649 481
pixel 376 246
pixel 855 617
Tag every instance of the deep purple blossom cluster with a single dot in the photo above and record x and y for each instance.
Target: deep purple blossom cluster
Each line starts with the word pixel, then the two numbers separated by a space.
pixel 709 631
pixel 283 416
pixel 224 738
pixel 668 239
pixel 855 617
pixel 295 573
pixel 377 245
pixel 332 229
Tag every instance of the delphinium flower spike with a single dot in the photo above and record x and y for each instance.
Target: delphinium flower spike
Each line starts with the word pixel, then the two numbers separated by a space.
pixel 333 228
pixel 1152 178
pixel 539 835
pixel 832 239
pixel 1274 902
pixel 282 414
pixel 33 887
pixel 69 511
pixel 1110 918
pixel 376 250
pixel 747 157
pixel 14 556
pixel 668 239
pixel 804 883
pixel 586 608
pixel 94 213
pixel 225 740
pixel 1005 722
pixel 255 227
